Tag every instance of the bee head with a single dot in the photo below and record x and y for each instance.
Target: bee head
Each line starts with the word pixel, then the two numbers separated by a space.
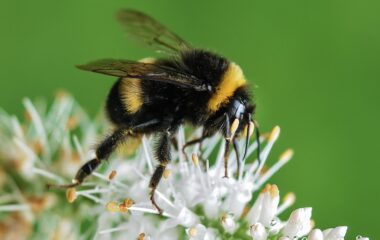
pixel 240 112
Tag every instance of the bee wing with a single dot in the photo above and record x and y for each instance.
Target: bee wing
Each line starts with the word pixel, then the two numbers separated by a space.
pixel 152 33
pixel 145 71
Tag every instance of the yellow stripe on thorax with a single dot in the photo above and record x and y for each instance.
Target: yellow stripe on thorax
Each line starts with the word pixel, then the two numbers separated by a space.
pixel 131 92
pixel 231 80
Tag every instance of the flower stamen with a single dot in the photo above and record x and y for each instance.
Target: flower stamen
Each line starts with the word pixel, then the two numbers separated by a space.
pixel 71 195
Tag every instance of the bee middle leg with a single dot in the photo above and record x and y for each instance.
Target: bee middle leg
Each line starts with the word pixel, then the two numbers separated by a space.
pixel 174 142
pixel 162 153
pixel 192 142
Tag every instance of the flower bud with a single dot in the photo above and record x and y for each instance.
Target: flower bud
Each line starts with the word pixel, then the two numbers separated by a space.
pixel 258 232
pixel 298 224
pixel 337 233
pixel 316 234
pixel 228 223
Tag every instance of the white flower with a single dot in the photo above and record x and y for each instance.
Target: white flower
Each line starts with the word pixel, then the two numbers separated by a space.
pixel 198 202
pixel 284 238
pixel 186 218
pixel 264 209
pixel 200 232
pixel 299 223
pixel 316 234
pixel 361 238
pixel 337 233
pixel 258 232
pixel 228 223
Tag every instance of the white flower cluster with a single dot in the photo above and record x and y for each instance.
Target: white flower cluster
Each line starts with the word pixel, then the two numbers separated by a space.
pixel 198 202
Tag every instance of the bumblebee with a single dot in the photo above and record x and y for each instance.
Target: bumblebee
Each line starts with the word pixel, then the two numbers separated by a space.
pixel 156 96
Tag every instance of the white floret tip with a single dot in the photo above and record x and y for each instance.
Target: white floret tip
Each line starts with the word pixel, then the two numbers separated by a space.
pixel 299 223
pixel 258 232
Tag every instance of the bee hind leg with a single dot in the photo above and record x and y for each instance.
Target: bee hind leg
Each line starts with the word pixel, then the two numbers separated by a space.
pixel 103 151
pixel 162 152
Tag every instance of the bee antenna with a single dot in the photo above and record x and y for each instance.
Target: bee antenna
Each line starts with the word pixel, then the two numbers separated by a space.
pixel 258 144
pixel 247 136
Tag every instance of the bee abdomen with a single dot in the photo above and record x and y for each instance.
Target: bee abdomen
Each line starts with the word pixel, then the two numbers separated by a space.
pixel 114 106
pixel 126 98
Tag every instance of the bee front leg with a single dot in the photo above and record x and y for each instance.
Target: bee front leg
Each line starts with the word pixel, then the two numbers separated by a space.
pixel 225 156
pixel 227 144
pixel 236 149
pixel 162 153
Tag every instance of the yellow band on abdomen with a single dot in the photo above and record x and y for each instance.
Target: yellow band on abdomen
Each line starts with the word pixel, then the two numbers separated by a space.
pixel 131 94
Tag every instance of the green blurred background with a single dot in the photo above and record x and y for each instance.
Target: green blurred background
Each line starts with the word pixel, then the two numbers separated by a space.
pixel 316 65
